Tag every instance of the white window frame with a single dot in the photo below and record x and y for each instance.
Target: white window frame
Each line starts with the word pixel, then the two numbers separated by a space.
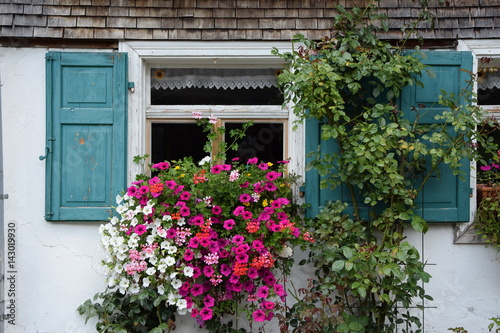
pixel 143 55
pixel 465 232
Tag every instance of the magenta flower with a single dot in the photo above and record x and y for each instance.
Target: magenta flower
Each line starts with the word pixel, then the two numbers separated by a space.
pixel 229 224
pixel 268 305
pixel 216 210
pixel 196 272
pixel 270 187
pixel 185 211
pixel 196 290
pixel 244 185
pixel 263 292
pixel 193 243
pixel 197 220
pixel 238 239
pixel 254 160
pixel 273 175
pixel 188 255
pixel 161 166
pixel 208 271
pixel 241 258
pixel 238 210
pixel 279 290
pixel 216 169
pixel 226 167
pixel 225 270
pixel 246 215
pixel 185 195
pixel 131 191
pixel 253 273
pixel 140 229
pixel 259 315
pixel 143 189
pixel 245 197
pixel 171 184
pixel 263 166
pixel 206 313
pixel 209 301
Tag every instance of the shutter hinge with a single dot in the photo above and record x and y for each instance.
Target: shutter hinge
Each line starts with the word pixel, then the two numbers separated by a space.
pixel 302 191
pixel 50 57
pixel 4 196
pixel 471 192
pixel 48 149
pixel 131 86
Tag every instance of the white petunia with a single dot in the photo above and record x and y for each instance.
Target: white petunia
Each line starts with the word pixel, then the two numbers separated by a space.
pixel 134 288
pixel 172 249
pixel 118 199
pixel 181 304
pixel 147 210
pixel 176 284
pixel 161 289
pixel 188 271
pixel 121 209
pixel 145 282
pixel 151 271
pixel 124 283
pixel 153 260
pixel 169 261
pixel 205 160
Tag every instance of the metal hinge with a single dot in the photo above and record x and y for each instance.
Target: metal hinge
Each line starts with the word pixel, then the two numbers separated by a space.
pixel 4 196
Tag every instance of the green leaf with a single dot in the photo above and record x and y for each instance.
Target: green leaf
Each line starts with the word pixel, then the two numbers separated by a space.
pixel 338 265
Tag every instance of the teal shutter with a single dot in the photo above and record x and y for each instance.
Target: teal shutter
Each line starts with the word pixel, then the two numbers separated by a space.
pixel 86 134
pixel 444 198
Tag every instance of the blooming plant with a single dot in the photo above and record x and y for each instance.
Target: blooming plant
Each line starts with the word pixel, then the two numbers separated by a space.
pixel 202 239
pixel 489 174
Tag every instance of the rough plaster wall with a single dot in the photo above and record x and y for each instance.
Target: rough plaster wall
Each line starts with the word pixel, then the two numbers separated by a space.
pixel 58 264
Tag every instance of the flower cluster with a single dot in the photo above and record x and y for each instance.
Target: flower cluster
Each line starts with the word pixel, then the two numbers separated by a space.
pixel 205 237
pixel 490 174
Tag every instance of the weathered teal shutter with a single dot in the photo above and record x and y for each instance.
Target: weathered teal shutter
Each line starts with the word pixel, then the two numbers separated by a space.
pixel 86 134
pixel 443 199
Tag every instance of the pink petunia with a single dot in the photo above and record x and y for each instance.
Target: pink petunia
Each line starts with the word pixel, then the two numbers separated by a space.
pixel 188 255
pixel 132 190
pixel 225 270
pixel 253 160
pixel 486 168
pixel 185 211
pixel 208 271
pixel 238 239
pixel 216 210
pixel 241 258
pixel 209 301
pixel 140 229
pixel 206 313
pixel 270 187
pixel 238 210
pixel 279 290
pixel 245 197
pixel 185 195
pixel 216 169
pixel 263 292
pixel 196 289
pixel 263 166
pixel 229 224
pixel 268 305
pixel 253 273
pixel 161 166
pixel 246 215
pixel 259 315
pixel 273 175
pixel 171 184
pixel 197 220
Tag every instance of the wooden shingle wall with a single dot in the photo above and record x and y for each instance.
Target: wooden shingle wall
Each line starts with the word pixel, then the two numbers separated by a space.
pixel 227 19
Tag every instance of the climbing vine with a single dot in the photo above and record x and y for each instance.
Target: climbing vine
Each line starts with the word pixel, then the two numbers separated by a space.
pixel 368 277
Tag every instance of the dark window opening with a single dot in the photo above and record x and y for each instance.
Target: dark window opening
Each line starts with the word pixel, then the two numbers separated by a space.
pixel 262 140
pixel 174 141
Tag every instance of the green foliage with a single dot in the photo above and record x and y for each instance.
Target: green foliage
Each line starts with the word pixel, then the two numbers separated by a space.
pixel 367 276
pixel 120 313
pixel 488 218
pixel 495 324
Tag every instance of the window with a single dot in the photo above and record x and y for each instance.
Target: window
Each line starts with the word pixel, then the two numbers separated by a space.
pixel 488 83
pixel 234 82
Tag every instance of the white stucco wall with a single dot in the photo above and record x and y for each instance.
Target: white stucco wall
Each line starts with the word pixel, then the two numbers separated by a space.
pixel 57 264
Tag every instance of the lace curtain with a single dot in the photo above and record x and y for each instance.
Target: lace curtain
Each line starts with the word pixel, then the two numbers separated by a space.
pixel 179 78
pixel 489 81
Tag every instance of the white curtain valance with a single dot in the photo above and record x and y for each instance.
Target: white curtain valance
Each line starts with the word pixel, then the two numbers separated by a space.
pixel 225 78
pixel 489 80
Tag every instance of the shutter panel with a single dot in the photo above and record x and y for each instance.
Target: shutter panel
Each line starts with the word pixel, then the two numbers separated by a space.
pixel 443 199
pixel 86 134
